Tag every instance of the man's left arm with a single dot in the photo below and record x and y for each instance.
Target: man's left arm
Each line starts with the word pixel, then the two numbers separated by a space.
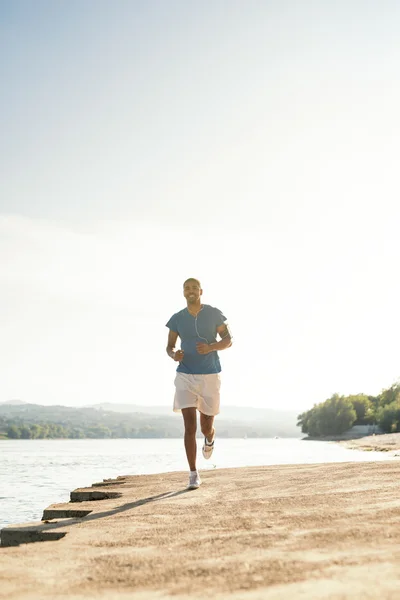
pixel 225 342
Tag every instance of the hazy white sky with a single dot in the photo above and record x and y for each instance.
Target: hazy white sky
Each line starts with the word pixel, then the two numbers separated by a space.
pixel 254 145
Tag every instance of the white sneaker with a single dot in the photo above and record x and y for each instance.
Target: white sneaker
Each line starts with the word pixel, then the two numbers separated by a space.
pixel 208 448
pixel 194 481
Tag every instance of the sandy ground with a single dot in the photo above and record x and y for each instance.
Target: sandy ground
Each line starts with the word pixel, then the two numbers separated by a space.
pixel 329 531
pixel 387 442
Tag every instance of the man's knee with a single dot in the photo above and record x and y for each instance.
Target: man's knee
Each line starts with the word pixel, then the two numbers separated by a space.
pixel 191 428
pixel 190 420
pixel 190 431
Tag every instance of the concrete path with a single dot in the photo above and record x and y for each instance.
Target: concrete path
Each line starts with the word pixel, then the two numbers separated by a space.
pixel 327 531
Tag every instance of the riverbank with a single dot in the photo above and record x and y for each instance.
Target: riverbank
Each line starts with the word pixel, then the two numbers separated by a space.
pixel 385 442
pixel 379 442
pixel 277 532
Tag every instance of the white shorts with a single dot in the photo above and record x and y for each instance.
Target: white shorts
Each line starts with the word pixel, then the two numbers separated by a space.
pixel 197 391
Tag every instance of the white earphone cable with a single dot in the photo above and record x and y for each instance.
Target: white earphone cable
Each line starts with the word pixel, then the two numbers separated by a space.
pixel 195 326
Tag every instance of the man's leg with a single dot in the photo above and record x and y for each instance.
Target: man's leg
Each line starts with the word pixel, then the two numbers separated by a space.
pixel 190 422
pixel 207 427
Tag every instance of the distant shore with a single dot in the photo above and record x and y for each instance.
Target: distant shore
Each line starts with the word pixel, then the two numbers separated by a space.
pixel 379 442
pixel 385 442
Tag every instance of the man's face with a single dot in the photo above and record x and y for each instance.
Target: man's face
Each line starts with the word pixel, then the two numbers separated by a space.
pixel 192 292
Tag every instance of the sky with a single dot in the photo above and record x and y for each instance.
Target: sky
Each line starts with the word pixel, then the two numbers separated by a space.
pixel 253 145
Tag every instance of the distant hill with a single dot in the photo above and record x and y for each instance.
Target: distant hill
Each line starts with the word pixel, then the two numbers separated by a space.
pixel 239 413
pixel 132 408
pixel 12 403
pixel 282 420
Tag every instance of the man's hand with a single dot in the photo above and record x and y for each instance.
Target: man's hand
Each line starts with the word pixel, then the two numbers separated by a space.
pixel 203 348
pixel 178 355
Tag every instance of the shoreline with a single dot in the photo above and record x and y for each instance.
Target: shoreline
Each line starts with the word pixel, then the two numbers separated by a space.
pixel 377 442
pixel 384 442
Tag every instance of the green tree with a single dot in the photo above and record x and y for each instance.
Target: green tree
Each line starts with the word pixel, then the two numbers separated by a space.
pixel 332 417
pixel 390 395
pixel 13 432
pixel 309 422
pixel 35 431
pixel 336 415
pixel 77 433
pixel 147 432
pixel 99 432
pixel 389 417
pixel 375 405
pixel 363 407
pixel 25 432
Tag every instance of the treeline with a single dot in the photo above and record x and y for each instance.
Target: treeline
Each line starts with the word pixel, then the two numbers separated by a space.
pixel 40 431
pixel 339 413
pixel 32 421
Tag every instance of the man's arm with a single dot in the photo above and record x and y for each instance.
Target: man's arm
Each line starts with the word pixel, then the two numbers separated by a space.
pixel 225 341
pixel 175 355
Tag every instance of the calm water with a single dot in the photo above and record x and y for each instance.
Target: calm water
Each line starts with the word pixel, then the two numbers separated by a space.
pixel 36 473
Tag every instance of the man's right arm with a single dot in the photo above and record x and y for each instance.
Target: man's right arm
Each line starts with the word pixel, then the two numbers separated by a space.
pixel 172 337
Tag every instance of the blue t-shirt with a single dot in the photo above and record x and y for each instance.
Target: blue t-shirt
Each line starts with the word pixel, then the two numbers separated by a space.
pixel 193 330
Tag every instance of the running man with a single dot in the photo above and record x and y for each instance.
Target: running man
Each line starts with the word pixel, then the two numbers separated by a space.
pixel 197 382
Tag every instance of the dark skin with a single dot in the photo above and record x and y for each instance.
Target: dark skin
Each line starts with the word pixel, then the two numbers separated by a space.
pixel 192 293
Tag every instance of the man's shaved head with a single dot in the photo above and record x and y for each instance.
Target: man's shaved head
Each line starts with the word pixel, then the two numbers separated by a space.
pixel 192 280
